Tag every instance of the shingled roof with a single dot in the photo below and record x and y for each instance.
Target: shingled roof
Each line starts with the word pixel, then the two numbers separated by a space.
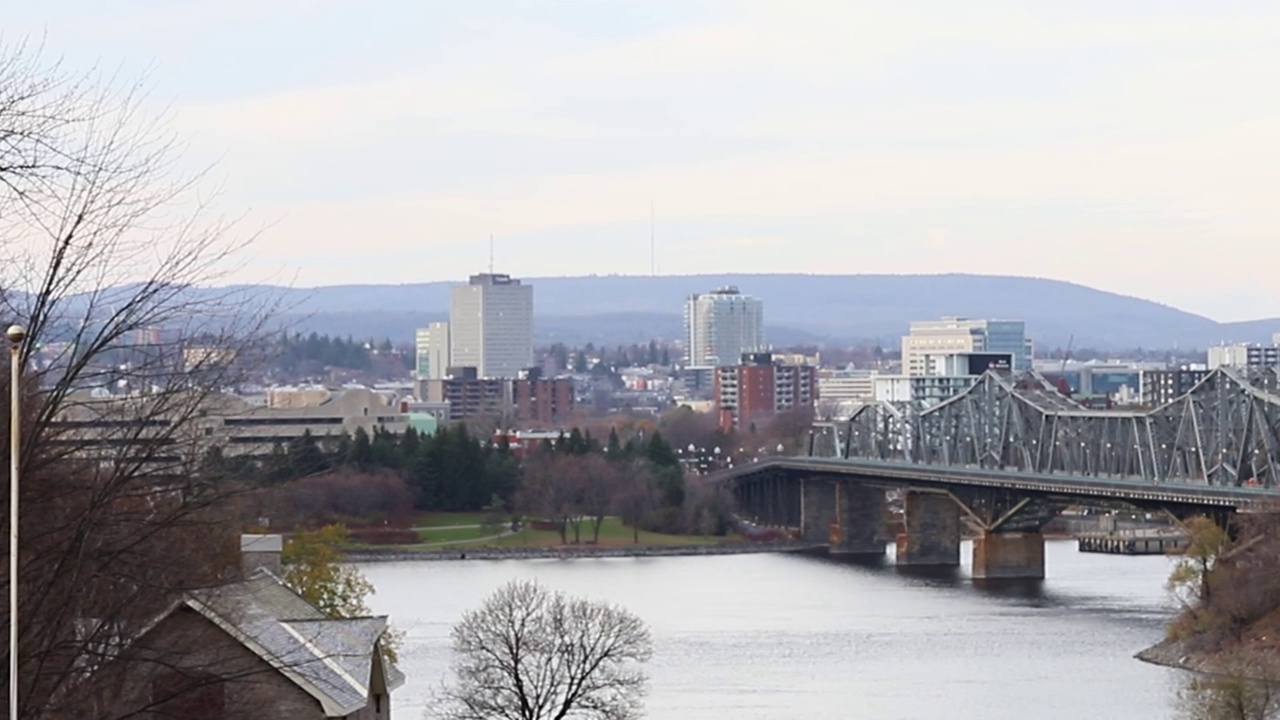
pixel 330 659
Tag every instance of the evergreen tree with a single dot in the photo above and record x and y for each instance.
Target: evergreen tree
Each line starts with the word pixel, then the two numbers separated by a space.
pixel 276 469
pixel 660 453
pixel 361 453
pixel 576 444
pixel 668 474
pixel 409 444
pixel 614 448
pixel 305 457
pixel 424 474
pixel 384 450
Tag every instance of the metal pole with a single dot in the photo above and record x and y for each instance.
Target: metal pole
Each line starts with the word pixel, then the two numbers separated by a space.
pixel 16 335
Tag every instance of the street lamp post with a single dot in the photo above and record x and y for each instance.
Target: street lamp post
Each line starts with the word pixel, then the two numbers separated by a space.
pixel 16 334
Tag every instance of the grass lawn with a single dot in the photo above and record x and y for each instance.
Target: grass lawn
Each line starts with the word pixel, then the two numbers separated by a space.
pixel 443 519
pixel 612 534
pixel 435 528
pixel 439 535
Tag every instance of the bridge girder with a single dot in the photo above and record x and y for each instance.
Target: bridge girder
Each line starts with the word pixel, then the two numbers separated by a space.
pixel 1225 432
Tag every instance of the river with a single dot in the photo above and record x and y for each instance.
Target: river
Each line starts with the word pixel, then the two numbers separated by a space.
pixel 784 636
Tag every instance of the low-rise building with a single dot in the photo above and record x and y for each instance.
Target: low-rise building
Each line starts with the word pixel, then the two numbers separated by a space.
pixel 943 375
pixel 1243 355
pixel 928 390
pixel 547 401
pixel 1117 381
pixel 958 335
pixel 104 424
pixel 469 396
pixel 759 388
pixel 255 648
pixel 847 385
pixel 1164 386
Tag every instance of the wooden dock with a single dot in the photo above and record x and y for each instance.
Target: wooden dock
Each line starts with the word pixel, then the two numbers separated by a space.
pixel 1134 542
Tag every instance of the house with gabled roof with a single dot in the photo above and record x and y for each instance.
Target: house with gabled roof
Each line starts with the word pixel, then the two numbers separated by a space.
pixel 256 649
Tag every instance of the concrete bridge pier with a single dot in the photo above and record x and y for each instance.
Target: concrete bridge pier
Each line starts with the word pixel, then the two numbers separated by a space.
pixel 859 527
pixel 843 515
pixel 1008 556
pixel 931 532
pixel 817 509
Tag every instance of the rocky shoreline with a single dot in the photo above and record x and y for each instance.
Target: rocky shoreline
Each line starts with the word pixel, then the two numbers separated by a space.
pixel 573 553
pixel 1172 654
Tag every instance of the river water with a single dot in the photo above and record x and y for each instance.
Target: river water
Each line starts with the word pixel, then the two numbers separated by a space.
pixel 784 636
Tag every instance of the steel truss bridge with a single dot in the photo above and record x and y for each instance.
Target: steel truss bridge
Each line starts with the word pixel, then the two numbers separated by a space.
pixel 1224 433
pixel 1011 452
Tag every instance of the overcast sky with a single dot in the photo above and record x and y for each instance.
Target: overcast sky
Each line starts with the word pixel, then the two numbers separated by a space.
pixel 1130 146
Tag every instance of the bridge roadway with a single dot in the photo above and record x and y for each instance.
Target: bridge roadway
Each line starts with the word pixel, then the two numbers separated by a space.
pixel 841 502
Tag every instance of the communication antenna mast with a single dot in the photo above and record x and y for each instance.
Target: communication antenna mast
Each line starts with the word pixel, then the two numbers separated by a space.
pixel 490 253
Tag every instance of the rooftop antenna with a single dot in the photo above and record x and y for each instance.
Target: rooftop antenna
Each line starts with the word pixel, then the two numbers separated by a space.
pixel 653 258
pixel 490 253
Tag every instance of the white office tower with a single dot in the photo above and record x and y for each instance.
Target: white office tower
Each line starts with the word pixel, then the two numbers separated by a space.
pixel 432 351
pixel 491 326
pixel 722 325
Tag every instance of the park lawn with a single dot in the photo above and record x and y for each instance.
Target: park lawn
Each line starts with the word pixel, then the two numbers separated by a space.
pixel 445 519
pixel 452 534
pixel 613 533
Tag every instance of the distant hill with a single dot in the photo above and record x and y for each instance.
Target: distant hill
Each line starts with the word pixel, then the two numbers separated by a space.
pixel 798 309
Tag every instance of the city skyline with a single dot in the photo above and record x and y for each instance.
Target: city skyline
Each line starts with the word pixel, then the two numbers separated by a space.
pixel 1095 147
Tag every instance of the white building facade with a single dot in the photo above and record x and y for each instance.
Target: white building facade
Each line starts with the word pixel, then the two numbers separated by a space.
pixel 432 346
pixel 722 325
pixel 953 335
pixel 491 326
pixel 1243 355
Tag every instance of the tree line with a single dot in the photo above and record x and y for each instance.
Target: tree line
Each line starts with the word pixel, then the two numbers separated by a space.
pixel 297 352
pixel 385 476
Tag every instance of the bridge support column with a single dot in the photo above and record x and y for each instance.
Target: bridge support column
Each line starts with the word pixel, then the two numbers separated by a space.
pixel 859 528
pixel 931 535
pixel 817 509
pixel 1008 556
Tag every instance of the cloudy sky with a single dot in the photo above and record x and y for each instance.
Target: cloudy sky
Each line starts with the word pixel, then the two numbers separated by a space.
pixel 1131 146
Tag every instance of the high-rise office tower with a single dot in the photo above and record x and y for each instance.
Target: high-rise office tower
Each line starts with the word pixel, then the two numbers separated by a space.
pixel 722 325
pixel 491 326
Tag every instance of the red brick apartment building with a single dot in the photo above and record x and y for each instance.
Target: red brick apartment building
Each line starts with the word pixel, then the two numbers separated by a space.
pixel 544 401
pixel 759 388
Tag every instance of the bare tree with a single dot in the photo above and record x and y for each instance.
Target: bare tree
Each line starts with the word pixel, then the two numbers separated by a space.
pixel 598 492
pixel 636 495
pixel 551 491
pixel 107 260
pixel 1240 685
pixel 531 654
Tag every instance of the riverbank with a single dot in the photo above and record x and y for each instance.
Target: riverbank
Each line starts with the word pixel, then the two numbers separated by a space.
pixel 571 552
pixel 1173 654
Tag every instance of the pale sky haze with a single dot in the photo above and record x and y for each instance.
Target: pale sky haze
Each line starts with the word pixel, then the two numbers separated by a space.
pixel 1130 146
